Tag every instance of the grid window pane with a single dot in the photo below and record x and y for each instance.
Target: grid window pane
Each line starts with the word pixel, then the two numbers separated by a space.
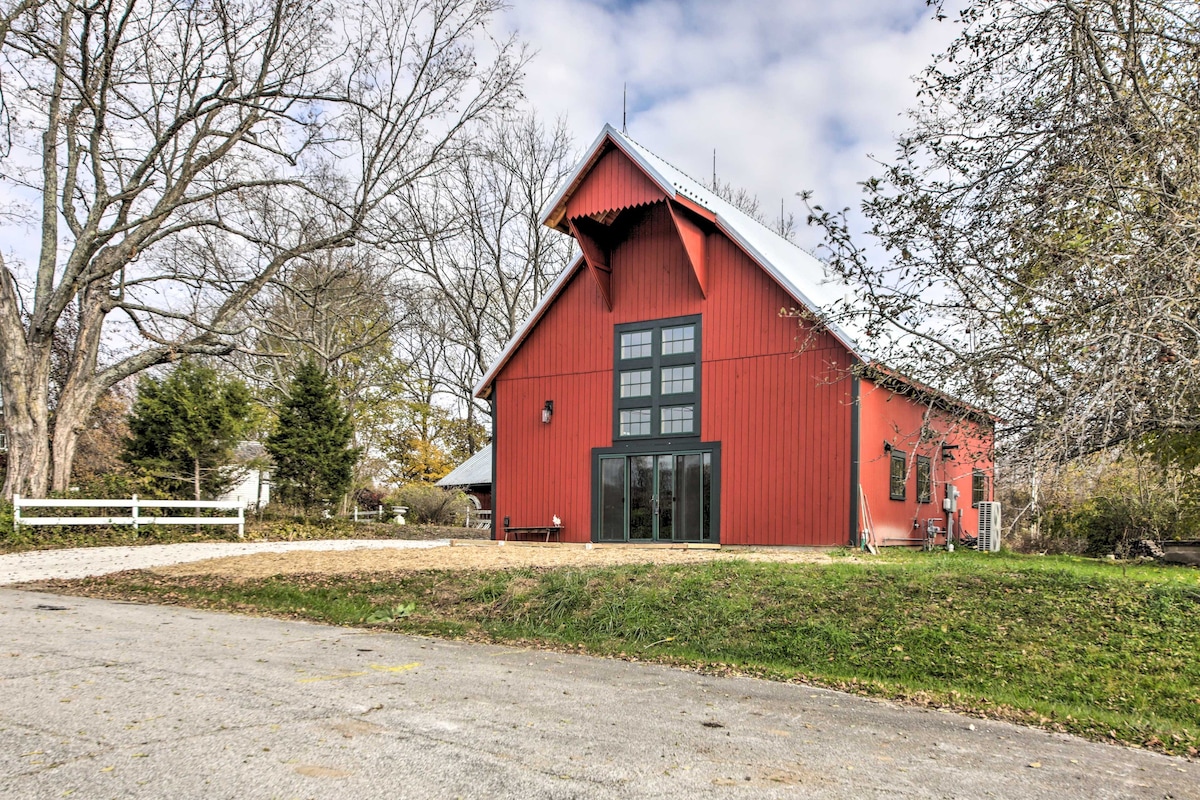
pixel 678 380
pixel 677 419
pixel 679 340
pixel 979 488
pixel 636 383
pixel 635 422
pixel 899 475
pixel 636 344
pixel 924 480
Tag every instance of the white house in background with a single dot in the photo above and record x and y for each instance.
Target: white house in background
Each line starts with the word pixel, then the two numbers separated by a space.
pixel 253 490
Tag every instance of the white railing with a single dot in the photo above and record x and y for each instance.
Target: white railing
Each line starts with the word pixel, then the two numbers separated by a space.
pixel 136 519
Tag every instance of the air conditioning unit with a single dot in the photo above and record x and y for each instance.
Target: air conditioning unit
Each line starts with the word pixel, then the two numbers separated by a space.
pixel 989 528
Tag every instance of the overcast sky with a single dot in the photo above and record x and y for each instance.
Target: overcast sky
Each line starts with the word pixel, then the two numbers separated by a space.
pixel 792 94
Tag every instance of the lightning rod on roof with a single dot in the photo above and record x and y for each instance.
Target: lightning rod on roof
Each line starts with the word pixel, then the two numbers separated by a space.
pixel 714 186
pixel 624 106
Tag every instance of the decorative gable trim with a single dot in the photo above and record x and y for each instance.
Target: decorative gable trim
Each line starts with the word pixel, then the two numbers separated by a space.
pixel 595 254
pixel 556 210
pixel 695 244
pixel 616 182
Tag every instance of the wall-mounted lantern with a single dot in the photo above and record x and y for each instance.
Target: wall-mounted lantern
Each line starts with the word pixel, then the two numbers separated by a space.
pixel 547 412
pixel 887 447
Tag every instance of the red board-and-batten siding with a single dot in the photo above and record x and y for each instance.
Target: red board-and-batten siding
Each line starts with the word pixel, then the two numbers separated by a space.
pixel 614 182
pixel 887 417
pixel 782 418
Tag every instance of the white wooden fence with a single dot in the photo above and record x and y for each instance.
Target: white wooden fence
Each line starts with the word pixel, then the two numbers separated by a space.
pixel 135 518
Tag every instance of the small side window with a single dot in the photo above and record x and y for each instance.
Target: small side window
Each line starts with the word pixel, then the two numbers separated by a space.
pixel 924 480
pixel 899 478
pixel 979 488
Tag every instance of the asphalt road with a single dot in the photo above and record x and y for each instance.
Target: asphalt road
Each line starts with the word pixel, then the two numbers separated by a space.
pixel 101 699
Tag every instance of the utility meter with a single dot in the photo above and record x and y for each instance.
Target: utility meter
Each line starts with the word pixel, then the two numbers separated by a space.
pixel 950 504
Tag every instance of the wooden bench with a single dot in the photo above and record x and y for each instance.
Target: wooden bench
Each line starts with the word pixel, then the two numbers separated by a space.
pixel 548 530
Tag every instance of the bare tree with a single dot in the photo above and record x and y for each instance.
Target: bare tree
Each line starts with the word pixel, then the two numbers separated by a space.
pixel 1039 225
pixel 340 310
pixel 477 247
pixel 182 154
pixel 746 202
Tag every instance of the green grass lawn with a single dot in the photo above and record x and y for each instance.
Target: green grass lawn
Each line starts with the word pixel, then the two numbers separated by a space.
pixel 1091 648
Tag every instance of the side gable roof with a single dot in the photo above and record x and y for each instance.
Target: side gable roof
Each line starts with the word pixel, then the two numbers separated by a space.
pixel 803 276
pixel 475 471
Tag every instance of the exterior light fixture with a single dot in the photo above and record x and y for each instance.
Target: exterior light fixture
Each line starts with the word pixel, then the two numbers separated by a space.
pixel 547 412
pixel 887 447
pixel 948 451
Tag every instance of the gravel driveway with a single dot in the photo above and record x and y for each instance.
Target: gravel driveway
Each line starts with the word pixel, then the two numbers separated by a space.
pixel 83 562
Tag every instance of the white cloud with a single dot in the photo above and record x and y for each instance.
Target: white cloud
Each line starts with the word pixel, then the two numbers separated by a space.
pixel 792 94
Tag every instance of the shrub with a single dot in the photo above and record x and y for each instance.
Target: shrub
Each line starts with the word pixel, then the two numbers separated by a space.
pixel 427 504
pixel 117 485
pixel 369 497
pixel 6 519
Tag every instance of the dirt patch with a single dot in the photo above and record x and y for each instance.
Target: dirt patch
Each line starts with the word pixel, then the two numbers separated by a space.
pixel 470 556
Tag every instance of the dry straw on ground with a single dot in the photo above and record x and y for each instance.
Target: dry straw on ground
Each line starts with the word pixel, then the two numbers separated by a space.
pixel 471 556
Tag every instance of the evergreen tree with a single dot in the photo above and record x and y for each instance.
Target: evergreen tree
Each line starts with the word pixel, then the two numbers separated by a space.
pixel 311 443
pixel 183 430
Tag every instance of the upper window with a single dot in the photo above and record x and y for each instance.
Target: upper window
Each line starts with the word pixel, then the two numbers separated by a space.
pixel 924 480
pixel 677 419
pixel 657 379
pixel 899 475
pixel 979 487
pixel 635 422
pixel 678 380
pixel 636 384
pixel 679 340
pixel 636 344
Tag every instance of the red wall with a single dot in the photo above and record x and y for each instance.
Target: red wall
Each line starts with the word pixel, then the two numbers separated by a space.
pixel 899 420
pixel 783 419
pixel 614 182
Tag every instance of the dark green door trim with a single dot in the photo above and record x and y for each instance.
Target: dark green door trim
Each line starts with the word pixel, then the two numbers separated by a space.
pixel 712 510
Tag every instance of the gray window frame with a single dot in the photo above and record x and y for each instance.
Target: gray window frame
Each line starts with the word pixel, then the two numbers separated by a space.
pixel 979 487
pixel 925 464
pixel 712 515
pixel 656 362
pixel 901 457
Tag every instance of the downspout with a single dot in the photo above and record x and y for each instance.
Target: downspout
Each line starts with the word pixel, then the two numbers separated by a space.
pixel 855 414
pixel 496 518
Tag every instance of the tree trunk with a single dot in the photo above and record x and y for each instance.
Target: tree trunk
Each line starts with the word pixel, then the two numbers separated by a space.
pixel 28 451
pixel 196 476
pixel 70 419
pixel 24 378
pixel 82 387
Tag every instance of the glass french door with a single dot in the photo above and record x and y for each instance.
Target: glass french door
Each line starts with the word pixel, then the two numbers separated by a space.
pixel 656 497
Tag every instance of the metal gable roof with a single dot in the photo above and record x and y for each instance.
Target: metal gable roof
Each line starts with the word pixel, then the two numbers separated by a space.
pixel 803 276
pixel 474 471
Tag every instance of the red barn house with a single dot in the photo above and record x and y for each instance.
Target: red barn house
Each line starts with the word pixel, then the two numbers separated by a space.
pixel 657 394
